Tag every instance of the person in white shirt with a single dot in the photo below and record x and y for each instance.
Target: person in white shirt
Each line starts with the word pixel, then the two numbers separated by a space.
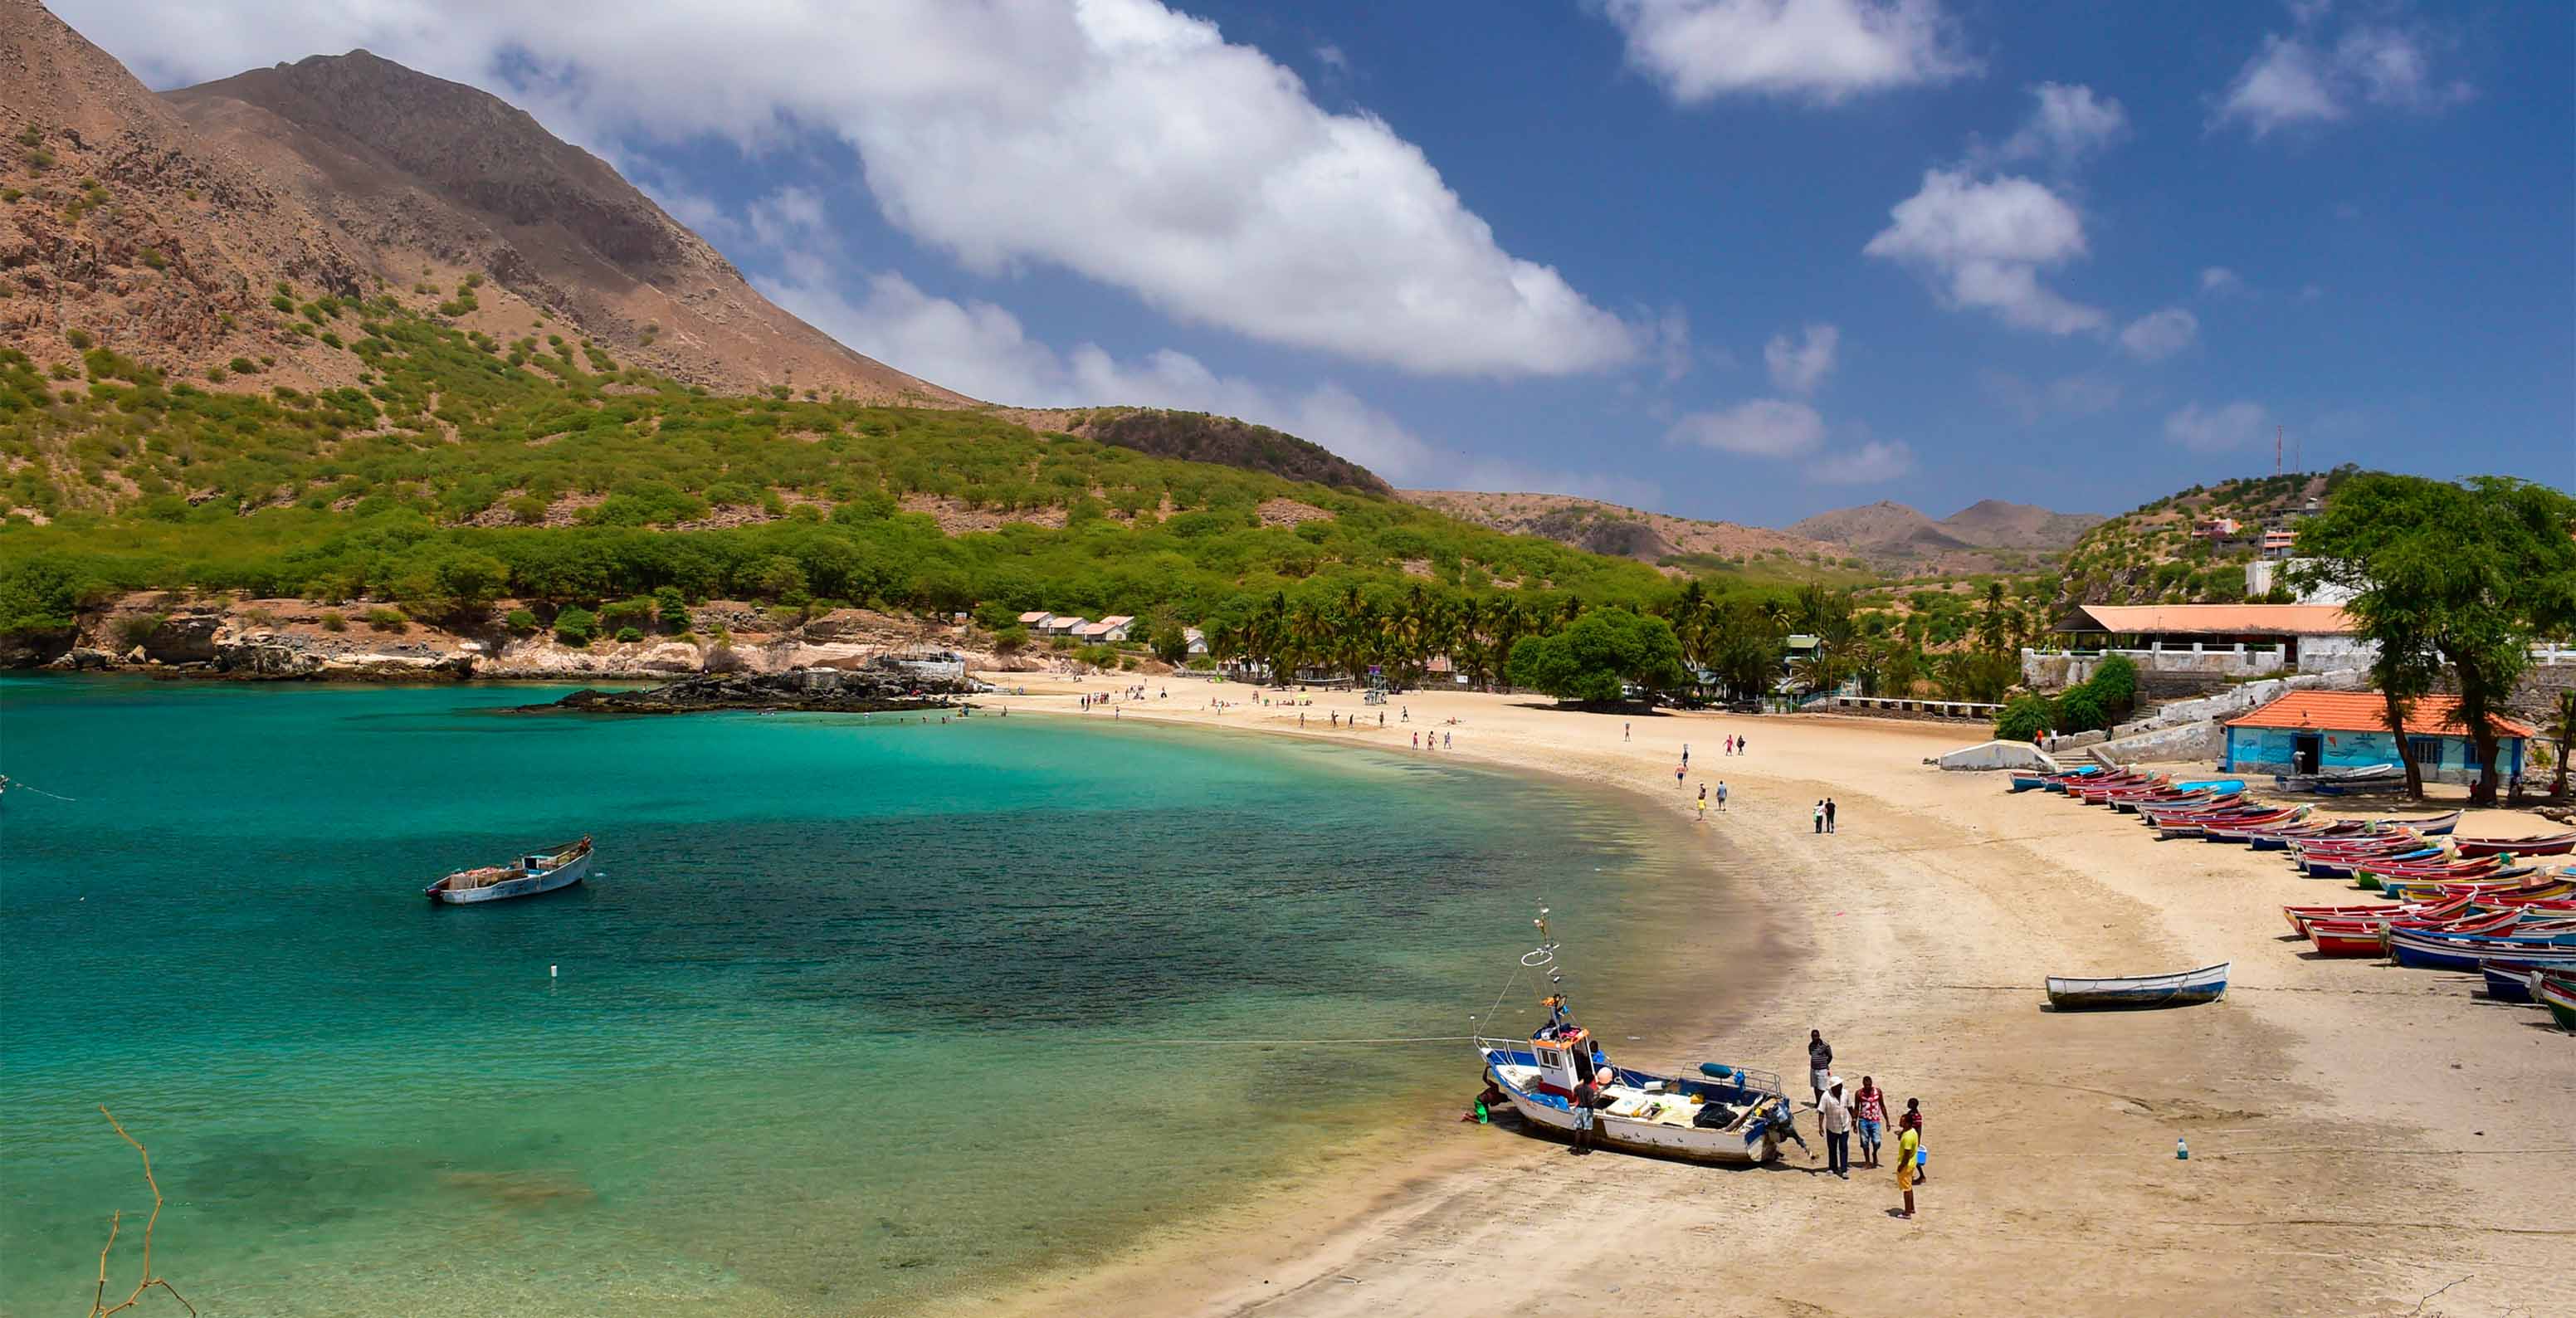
pixel 1834 1113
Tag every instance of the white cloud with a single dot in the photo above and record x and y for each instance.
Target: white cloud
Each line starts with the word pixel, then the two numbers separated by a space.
pixel 2069 396
pixel 1875 461
pixel 2305 79
pixel 1823 50
pixel 1985 241
pixel 2068 123
pixel 1761 428
pixel 1116 139
pixel 2231 426
pixel 1800 366
pixel 2160 334
pixel 2220 281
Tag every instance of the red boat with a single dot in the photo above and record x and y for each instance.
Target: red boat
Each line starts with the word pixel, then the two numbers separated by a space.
pixel 2446 909
pixel 2555 844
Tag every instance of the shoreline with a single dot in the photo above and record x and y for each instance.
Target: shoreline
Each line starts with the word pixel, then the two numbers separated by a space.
pixel 2332 1168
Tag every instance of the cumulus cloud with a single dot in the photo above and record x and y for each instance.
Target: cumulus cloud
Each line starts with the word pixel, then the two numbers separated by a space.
pixel 2068 123
pixel 2079 395
pixel 2308 78
pixel 1822 50
pixel 1760 428
pixel 1117 139
pixel 2218 429
pixel 2219 281
pixel 1798 366
pixel 1872 462
pixel 2160 334
pixel 1984 242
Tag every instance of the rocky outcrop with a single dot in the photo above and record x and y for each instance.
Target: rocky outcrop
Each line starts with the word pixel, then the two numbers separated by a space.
pixel 833 690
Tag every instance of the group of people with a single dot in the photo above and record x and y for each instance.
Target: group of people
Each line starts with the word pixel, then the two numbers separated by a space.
pixel 1825 815
pixel 1703 798
pixel 1863 1111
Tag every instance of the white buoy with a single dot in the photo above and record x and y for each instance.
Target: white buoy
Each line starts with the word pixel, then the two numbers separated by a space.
pixel 551 971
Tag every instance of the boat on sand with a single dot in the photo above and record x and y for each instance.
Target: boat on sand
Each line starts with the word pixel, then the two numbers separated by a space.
pixel 2072 993
pixel 1561 1082
pixel 536 872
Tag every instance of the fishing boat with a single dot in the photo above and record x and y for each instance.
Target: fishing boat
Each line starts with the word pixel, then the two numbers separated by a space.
pixel 1564 1085
pixel 536 872
pixel 2512 981
pixel 2441 951
pixel 2337 781
pixel 2073 993
pixel 2554 844
pixel 2558 993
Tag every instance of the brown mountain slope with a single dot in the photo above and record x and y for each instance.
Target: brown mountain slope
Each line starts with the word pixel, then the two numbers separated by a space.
pixel 1997 524
pixel 1202 437
pixel 119 225
pixel 1607 528
pixel 427 175
pixel 1881 526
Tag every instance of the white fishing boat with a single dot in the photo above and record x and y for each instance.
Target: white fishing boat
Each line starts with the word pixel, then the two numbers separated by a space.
pixel 1564 1085
pixel 533 873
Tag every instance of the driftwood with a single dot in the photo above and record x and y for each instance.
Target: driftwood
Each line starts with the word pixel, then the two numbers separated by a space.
pixel 98 1305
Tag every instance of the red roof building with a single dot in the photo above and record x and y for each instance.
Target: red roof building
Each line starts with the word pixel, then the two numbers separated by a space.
pixel 2367 711
pixel 2305 732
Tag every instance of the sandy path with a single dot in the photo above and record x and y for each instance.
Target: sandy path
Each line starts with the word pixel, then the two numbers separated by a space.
pixel 2360 1135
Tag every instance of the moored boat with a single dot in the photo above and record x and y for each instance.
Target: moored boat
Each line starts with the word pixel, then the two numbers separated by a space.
pixel 2554 844
pixel 1564 1085
pixel 2558 993
pixel 2075 993
pixel 533 873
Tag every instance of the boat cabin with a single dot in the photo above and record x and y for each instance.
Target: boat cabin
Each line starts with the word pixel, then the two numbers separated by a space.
pixel 1568 1059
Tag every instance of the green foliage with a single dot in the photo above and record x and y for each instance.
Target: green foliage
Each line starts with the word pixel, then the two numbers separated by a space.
pixel 151 256
pixel 1010 639
pixel 2026 717
pixel 1593 657
pixel 79 339
pixel 134 629
pixel 1168 643
pixel 2080 710
pixel 629 635
pixel 673 609
pixel 334 621
pixel 385 619
pixel 2114 686
pixel 521 621
pixel 576 626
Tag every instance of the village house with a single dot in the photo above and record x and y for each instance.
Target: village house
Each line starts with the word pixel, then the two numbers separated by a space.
pixel 1194 641
pixel 1065 626
pixel 2307 731
pixel 2179 647
pixel 1036 619
pixel 1107 631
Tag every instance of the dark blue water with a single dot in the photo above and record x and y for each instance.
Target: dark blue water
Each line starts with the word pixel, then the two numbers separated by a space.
pixel 845 1017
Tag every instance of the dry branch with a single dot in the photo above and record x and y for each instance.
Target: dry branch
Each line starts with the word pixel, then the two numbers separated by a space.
pixel 98 1306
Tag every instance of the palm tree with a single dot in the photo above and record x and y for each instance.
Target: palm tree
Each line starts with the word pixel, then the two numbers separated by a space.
pixel 1993 625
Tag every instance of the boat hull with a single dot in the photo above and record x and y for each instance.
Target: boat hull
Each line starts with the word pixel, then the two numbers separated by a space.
pixel 1549 1116
pixel 553 880
pixel 2189 988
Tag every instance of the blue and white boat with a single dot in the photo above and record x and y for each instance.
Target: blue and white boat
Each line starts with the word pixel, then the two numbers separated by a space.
pixel 1565 1086
pixel 536 872
pixel 2074 993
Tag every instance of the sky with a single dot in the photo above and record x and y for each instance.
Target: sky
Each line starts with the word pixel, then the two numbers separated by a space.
pixel 1739 259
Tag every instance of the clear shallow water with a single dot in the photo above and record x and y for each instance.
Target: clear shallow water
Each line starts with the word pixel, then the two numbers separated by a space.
pixel 838 1015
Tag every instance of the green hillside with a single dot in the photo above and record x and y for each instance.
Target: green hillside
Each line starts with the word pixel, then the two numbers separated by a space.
pixel 2149 556
pixel 457 469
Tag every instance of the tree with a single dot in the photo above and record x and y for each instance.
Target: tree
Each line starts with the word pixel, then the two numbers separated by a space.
pixel 2448 574
pixel 1169 643
pixel 2566 733
pixel 1593 658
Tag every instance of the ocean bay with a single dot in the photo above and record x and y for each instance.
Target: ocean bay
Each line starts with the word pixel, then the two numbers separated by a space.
pixel 851 1011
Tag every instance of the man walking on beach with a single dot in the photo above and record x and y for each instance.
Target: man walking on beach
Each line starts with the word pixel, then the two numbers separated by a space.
pixel 1869 1108
pixel 1721 794
pixel 1820 1059
pixel 1829 814
pixel 1835 1116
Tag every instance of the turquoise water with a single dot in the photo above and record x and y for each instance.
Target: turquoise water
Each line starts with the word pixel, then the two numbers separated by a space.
pixel 840 1020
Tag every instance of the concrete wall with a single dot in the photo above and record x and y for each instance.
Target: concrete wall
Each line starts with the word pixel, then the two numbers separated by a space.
pixel 2325 654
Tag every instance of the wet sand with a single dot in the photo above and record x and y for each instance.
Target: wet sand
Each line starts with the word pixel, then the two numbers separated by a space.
pixel 2360 1135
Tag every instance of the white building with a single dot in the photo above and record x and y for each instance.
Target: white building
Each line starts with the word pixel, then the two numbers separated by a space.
pixel 2264 573
pixel 1195 639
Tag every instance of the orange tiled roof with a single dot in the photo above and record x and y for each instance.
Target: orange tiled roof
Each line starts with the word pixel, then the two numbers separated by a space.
pixel 2224 619
pixel 2367 711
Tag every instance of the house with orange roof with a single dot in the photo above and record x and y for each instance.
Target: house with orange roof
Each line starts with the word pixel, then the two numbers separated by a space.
pixel 2308 731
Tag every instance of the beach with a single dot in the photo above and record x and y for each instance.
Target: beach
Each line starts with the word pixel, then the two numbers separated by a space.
pixel 2361 1137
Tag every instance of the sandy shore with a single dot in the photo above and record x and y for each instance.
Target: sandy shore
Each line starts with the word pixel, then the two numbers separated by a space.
pixel 2361 1136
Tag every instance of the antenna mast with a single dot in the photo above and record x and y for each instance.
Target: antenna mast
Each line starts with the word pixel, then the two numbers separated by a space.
pixel 2276 450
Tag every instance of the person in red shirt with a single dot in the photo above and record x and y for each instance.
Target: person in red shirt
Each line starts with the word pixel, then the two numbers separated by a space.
pixel 1870 1106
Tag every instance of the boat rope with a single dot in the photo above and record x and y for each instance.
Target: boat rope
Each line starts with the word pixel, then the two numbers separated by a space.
pixel 23 785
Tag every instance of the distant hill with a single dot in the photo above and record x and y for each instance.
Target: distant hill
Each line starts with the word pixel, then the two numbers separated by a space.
pixel 1681 544
pixel 1202 437
pixel 1881 527
pixel 1995 524
pixel 2149 556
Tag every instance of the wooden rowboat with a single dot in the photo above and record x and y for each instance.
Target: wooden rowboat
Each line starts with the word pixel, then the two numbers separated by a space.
pixel 2074 993
pixel 533 873
pixel 2555 844
pixel 2558 993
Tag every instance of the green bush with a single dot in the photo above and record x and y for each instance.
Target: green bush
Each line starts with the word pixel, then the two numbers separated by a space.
pixel 521 621
pixel 2080 710
pixel 2025 717
pixel 2114 685
pixel 385 619
pixel 1010 639
pixel 673 608
pixel 1594 657
pixel 135 629
pixel 629 635
pixel 575 627
pixel 334 621
pixel 78 338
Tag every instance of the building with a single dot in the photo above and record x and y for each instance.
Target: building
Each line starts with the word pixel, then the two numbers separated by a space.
pixel 1062 626
pixel 1194 640
pixel 2216 528
pixel 2279 542
pixel 1036 619
pixel 2199 645
pixel 2262 574
pixel 1107 631
pixel 2305 731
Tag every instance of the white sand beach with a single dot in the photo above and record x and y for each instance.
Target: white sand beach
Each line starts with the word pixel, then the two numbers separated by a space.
pixel 2361 1136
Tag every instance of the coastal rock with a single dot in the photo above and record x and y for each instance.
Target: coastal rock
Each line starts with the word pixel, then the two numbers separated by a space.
pixel 829 689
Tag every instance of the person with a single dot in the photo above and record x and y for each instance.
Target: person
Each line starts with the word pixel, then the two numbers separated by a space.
pixel 1907 1145
pixel 1482 1113
pixel 1404 714
pixel 1820 815
pixel 1829 814
pixel 1381 718
pixel 1301 718
pixel 1721 793
pixel 1703 803
pixel 1911 1126
pixel 1417 741
pixel 1730 743
pixel 1679 771
pixel 1623 731
pixel 1834 1115
pixel 1820 1059
pixel 1685 755
pixel 1448 741
pixel 1869 1106
pixel 1744 745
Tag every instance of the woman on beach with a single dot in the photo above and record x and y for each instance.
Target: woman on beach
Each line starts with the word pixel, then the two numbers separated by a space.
pixel 1905 1178
pixel 1870 1105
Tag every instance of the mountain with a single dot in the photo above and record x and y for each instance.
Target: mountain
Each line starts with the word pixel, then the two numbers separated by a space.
pixel 1995 524
pixel 1201 437
pixel 2150 556
pixel 1881 527
pixel 1608 528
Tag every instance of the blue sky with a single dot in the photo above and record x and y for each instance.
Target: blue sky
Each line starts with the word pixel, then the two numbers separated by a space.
pixel 1747 259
